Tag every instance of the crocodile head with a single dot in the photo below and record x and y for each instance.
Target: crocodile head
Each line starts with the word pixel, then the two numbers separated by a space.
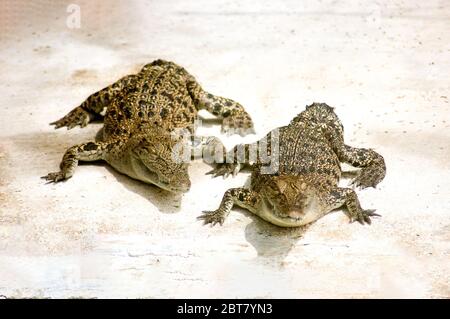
pixel 159 158
pixel 290 201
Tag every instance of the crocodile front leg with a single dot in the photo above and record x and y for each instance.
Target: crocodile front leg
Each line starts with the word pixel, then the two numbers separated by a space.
pixel 210 148
pixel 235 160
pixel 91 151
pixel 347 196
pixel 234 196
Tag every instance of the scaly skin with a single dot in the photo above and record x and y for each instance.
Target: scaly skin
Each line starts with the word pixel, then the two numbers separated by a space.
pixel 143 111
pixel 305 186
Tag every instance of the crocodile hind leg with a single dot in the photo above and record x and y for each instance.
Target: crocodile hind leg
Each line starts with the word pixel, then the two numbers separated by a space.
pixel 91 151
pixel 347 197
pixel 372 164
pixel 242 197
pixel 94 106
pixel 235 119
pixel 233 115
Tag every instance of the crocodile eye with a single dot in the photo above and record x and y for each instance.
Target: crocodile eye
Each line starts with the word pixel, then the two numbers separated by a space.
pixel 274 189
pixel 152 156
pixel 282 185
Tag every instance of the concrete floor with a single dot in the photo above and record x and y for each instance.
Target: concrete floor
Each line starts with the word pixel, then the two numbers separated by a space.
pixel 386 69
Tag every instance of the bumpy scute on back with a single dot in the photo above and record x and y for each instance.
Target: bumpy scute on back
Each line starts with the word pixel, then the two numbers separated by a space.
pixel 305 186
pixel 143 114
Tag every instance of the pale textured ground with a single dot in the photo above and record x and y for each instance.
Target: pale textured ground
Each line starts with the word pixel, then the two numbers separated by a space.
pixel 386 69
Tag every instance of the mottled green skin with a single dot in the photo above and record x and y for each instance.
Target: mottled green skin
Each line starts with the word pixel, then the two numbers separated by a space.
pixel 305 186
pixel 142 112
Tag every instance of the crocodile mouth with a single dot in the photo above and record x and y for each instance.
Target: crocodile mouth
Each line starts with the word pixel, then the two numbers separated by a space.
pixel 286 217
pixel 154 178
pixel 171 187
pixel 145 174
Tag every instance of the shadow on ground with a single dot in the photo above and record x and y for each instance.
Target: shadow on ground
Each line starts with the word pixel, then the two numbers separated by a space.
pixel 270 241
pixel 47 149
pixel 164 201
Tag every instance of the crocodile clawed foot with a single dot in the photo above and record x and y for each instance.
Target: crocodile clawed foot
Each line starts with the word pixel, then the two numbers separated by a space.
pixel 75 117
pixel 367 177
pixel 54 177
pixel 212 217
pixel 363 217
pixel 225 170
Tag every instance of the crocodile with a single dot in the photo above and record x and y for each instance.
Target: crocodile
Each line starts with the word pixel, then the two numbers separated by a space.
pixel 304 186
pixel 143 114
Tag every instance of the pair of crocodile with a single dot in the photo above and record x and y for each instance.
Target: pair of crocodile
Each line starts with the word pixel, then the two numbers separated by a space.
pixel 142 112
